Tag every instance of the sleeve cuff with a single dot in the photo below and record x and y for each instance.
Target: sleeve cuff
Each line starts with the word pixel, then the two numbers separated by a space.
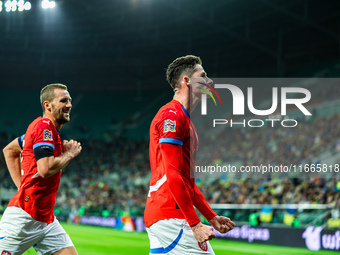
pixel 170 140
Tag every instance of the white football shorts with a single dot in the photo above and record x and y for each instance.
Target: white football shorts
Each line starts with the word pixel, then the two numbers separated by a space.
pixel 175 237
pixel 19 231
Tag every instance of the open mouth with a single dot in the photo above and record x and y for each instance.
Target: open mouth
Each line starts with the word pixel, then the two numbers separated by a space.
pixel 66 113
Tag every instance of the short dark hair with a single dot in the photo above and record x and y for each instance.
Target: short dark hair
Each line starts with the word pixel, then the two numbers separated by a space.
pixel 183 65
pixel 47 93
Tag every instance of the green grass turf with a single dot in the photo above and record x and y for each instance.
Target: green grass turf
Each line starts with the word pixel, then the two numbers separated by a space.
pixel 90 240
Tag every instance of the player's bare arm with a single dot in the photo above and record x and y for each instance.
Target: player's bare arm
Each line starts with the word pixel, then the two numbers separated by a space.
pixel 49 166
pixel 12 156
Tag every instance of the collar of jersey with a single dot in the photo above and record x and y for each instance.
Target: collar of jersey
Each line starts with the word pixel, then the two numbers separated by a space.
pixel 185 111
pixel 52 124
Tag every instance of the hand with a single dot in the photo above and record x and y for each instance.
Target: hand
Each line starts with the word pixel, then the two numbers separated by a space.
pixel 73 148
pixel 203 232
pixel 222 224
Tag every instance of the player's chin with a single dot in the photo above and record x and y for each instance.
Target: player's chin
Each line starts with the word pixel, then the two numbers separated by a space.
pixel 66 117
pixel 63 120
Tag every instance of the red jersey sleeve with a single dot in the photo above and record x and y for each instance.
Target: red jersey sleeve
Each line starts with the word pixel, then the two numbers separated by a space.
pixel 171 128
pixel 42 136
pixel 172 163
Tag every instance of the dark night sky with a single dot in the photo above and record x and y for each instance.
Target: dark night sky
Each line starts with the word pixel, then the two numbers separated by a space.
pixel 127 44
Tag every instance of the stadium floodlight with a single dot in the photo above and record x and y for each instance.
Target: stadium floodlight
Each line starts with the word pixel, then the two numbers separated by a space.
pixel 8 6
pixel 15 5
pixel 21 4
pixel 52 4
pixel 27 6
pixel 46 4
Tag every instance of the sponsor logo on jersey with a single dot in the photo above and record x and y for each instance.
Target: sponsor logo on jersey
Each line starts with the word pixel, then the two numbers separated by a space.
pixel 175 112
pixel 6 253
pixel 203 246
pixel 169 126
pixel 48 122
pixel 48 135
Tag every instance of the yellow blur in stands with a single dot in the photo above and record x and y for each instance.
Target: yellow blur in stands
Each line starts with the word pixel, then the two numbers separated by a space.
pixel 288 219
pixel 266 214
pixel 333 223
pixel 266 217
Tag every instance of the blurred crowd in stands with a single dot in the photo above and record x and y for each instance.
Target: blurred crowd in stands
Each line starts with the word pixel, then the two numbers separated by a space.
pixel 112 174
pixel 274 191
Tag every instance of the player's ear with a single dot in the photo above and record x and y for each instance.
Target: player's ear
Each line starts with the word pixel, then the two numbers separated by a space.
pixel 47 106
pixel 185 80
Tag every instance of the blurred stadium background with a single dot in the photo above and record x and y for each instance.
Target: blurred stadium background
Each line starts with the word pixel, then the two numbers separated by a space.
pixel 113 55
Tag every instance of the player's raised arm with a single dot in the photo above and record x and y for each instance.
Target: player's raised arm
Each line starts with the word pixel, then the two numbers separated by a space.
pixel 48 165
pixel 12 156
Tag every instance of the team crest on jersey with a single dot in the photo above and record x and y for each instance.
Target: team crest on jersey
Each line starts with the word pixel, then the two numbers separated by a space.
pixel 169 126
pixel 48 135
pixel 6 253
pixel 203 246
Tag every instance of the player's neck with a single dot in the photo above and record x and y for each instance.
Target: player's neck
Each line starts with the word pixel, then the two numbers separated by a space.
pixel 183 96
pixel 55 123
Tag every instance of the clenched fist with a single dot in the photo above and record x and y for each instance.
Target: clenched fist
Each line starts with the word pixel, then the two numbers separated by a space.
pixel 73 148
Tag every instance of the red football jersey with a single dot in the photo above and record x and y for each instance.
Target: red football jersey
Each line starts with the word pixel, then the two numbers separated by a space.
pixel 171 125
pixel 36 195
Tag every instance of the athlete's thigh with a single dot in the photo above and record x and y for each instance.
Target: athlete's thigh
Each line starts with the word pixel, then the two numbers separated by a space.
pixel 18 231
pixel 55 239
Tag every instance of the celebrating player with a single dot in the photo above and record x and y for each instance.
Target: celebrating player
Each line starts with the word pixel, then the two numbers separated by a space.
pixel 29 219
pixel 171 220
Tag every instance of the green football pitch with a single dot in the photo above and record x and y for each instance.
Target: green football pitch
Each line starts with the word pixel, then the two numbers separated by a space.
pixel 90 240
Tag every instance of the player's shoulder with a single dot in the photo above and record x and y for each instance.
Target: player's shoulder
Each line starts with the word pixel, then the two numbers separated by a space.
pixel 43 122
pixel 40 124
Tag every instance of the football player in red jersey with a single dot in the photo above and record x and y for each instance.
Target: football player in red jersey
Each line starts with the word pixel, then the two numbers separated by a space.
pixel 172 223
pixel 29 219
